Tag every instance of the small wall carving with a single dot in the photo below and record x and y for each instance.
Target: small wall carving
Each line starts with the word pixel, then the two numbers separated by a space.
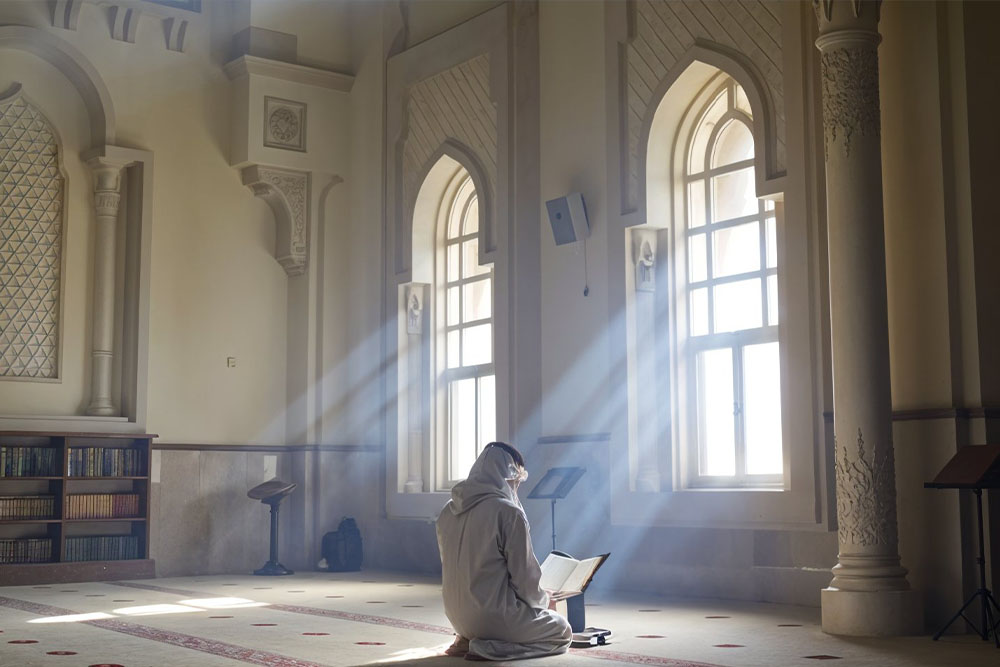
pixel 284 124
pixel 662 32
pixel 850 95
pixel 31 208
pixel 866 495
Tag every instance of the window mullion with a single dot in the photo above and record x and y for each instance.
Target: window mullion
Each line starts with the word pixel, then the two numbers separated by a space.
pixel 739 412
pixel 709 265
pixel 762 229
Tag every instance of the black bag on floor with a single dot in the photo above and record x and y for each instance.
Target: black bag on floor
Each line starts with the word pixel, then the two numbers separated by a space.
pixel 342 548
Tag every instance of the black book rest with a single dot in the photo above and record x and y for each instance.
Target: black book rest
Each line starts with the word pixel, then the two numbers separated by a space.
pixel 975 468
pixel 270 493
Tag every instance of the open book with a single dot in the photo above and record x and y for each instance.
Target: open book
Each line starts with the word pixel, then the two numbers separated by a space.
pixel 566 575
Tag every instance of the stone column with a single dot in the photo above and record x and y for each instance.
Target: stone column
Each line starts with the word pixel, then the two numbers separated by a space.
pixel 644 258
pixel 107 195
pixel 415 298
pixel 869 594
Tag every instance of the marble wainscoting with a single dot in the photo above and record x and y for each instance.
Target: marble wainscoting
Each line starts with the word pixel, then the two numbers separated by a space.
pixel 201 520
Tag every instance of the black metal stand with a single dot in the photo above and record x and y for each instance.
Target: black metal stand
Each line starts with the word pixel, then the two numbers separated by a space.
pixel 272 567
pixel 987 602
pixel 553 524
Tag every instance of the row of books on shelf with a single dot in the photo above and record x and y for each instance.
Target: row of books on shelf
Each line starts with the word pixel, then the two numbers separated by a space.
pixel 104 547
pixel 27 507
pixel 25 550
pixel 17 461
pixel 105 462
pixel 102 505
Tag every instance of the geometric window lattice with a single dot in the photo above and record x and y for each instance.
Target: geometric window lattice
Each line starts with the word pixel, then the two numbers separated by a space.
pixel 31 200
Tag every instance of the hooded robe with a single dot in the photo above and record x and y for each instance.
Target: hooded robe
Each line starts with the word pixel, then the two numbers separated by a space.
pixel 489 571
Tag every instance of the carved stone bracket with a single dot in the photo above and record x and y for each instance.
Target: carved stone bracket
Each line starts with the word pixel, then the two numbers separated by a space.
pixel 287 193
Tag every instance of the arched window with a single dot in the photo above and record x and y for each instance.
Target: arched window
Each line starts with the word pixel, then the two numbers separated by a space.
pixel 466 375
pixel 729 362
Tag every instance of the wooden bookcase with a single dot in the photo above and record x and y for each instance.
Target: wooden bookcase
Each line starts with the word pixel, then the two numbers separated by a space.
pixel 60 484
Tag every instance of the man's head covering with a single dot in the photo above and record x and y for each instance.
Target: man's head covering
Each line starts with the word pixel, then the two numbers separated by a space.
pixel 487 479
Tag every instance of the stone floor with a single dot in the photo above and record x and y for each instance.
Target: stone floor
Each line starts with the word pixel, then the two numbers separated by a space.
pixel 366 618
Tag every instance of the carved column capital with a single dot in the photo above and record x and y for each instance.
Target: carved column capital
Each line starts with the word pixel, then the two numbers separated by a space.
pixel 848 41
pixel 287 193
pixel 107 174
pixel 839 15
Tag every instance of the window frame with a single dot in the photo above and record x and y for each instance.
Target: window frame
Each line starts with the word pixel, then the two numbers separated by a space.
pixel 689 346
pixel 461 193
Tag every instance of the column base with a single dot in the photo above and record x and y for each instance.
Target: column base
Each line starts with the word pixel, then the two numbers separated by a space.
pixel 872 613
pixel 99 410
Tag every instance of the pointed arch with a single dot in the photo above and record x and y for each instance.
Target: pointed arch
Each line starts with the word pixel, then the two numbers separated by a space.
pixel 451 158
pixel 672 99
pixel 77 68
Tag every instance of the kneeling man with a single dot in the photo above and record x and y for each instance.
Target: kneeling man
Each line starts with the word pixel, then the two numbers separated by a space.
pixel 489 570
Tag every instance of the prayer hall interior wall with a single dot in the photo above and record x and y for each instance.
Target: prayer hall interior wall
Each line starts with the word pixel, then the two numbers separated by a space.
pixel 313 396
pixel 767 562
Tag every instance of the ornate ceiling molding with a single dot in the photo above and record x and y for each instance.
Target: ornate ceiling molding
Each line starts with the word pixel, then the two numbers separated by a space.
pixel 124 16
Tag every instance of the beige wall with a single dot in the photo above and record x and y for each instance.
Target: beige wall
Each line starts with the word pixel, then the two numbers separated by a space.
pixel 216 290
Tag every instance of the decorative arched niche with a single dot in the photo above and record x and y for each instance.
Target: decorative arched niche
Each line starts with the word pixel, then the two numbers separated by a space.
pixel 32 213
pixel 119 313
pixel 651 484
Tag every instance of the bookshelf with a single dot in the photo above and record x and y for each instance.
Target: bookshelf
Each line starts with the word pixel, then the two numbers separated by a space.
pixel 74 507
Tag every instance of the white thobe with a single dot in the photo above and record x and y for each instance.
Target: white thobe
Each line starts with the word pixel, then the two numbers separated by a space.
pixel 489 571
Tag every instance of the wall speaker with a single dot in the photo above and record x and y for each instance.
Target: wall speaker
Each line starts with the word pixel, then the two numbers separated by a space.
pixel 568 217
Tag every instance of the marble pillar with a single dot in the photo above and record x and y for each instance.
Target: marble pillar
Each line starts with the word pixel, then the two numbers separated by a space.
pixel 647 407
pixel 107 196
pixel 869 594
pixel 415 296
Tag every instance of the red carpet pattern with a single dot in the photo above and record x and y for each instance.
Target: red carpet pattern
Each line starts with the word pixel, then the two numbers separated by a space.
pixel 223 649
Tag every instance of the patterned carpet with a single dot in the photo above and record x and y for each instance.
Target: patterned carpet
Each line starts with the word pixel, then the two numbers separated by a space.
pixel 319 619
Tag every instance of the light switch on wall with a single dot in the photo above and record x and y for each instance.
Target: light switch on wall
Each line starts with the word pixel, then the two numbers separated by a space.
pixel 270 467
pixel 230 362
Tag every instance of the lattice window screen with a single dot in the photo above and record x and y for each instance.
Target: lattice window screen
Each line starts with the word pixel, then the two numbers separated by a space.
pixel 31 200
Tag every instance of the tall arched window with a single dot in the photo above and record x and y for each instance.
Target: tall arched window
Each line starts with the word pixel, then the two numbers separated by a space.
pixel 727 296
pixel 467 379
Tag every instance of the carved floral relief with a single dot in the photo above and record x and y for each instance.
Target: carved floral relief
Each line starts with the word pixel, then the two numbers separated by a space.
pixel 866 495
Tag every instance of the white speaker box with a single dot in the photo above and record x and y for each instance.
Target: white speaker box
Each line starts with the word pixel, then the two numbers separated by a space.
pixel 568 217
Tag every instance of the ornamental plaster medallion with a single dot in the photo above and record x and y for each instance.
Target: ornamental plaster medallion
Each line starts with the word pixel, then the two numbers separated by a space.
pixel 284 124
pixel 866 495
pixel 850 96
pixel 31 228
